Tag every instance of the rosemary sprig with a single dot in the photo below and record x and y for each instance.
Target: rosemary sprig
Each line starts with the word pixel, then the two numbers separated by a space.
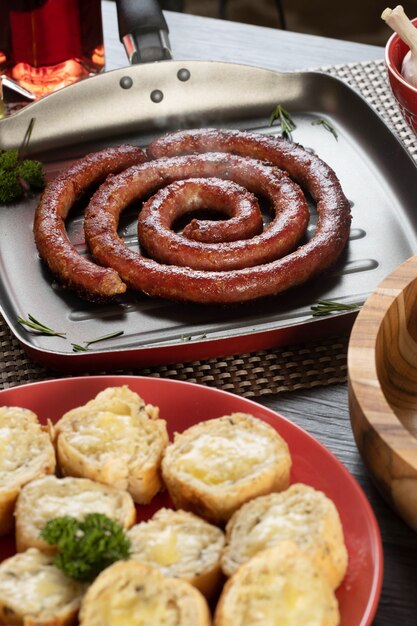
pixel 286 122
pixel 26 139
pixel 41 328
pixel 326 307
pixel 326 125
pixel 76 347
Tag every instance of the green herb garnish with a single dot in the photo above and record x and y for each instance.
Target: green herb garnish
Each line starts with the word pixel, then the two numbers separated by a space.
pixel 18 176
pixel 76 347
pixel 285 120
pixel 325 307
pixel 86 547
pixel 326 125
pixel 42 329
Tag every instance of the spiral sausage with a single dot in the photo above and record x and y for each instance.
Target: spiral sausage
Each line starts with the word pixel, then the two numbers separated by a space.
pixel 231 285
pixel 73 270
pixel 158 214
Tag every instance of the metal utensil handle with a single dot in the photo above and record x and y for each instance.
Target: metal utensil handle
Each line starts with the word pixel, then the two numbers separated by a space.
pixel 143 30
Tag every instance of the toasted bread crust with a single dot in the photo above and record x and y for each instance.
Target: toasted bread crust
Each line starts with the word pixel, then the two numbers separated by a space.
pixel 114 439
pixel 33 592
pixel 27 454
pixel 132 588
pixel 215 466
pixel 300 514
pixel 181 545
pixel 49 497
pixel 278 585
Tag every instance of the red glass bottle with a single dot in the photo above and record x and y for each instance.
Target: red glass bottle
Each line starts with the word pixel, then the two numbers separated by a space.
pixel 48 44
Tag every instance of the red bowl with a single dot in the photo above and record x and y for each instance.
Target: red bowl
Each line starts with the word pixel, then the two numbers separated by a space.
pixel 405 94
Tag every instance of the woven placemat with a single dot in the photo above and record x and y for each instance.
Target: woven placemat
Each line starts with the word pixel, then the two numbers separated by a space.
pixel 264 372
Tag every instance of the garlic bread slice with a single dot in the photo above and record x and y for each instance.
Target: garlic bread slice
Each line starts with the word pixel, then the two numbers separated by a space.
pixel 131 593
pixel 33 592
pixel 216 465
pixel 26 452
pixel 114 439
pixel 301 514
pixel 280 585
pixel 181 545
pixel 46 498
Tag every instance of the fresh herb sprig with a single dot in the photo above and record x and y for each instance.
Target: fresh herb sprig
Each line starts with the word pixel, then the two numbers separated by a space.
pixel 41 328
pixel 326 307
pixel 326 124
pixel 88 546
pixel 76 347
pixel 286 122
pixel 19 176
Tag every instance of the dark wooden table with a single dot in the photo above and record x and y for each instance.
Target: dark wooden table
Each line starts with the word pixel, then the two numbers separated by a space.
pixel 323 412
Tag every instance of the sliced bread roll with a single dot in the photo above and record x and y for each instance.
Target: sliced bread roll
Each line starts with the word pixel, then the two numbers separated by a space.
pixel 181 545
pixel 115 439
pixel 280 585
pixel 215 466
pixel 33 592
pixel 300 514
pixel 26 452
pixel 50 497
pixel 130 592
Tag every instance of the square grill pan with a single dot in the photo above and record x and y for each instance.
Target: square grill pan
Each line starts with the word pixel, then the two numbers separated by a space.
pixel 139 103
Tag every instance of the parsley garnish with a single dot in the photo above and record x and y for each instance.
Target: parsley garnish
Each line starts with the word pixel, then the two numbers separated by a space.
pixel 86 547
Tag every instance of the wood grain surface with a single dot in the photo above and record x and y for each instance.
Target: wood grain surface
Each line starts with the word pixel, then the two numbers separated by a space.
pixel 382 371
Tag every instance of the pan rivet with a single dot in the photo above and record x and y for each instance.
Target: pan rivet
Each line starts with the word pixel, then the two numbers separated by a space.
pixel 183 74
pixel 157 95
pixel 126 82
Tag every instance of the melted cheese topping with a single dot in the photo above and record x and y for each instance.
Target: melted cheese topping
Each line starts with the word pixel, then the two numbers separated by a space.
pixel 51 497
pixel 22 444
pixel 221 458
pixel 296 514
pixel 116 421
pixel 179 543
pixel 276 600
pixel 164 548
pixel 280 523
pixel 280 587
pixel 101 433
pixel 129 607
pixel 31 584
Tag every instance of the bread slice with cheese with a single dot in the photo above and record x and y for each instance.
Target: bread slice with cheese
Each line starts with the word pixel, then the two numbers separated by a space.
pixel 181 545
pixel 300 514
pixel 33 592
pixel 46 498
pixel 130 592
pixel 115 439
pixel 280 585
pixel 215 466
pixel 26 452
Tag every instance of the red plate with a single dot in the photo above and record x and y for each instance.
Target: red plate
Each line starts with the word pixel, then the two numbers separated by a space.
pixel 183 404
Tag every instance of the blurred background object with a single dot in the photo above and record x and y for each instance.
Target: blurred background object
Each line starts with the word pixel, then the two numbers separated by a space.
pixel 357 20
pixel 48 44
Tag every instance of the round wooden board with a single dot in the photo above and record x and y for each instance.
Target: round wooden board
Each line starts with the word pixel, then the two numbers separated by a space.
pixel 382 379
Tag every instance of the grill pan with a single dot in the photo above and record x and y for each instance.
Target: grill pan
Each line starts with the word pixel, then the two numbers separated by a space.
pixel 139 103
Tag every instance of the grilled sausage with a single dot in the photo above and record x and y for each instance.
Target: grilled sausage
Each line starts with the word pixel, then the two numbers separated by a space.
pixel 290 220
pixel 230 285
pixel 71 268
pixel 184 283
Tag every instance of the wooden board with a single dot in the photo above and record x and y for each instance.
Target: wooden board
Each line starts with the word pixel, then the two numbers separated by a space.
pixel 382 378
